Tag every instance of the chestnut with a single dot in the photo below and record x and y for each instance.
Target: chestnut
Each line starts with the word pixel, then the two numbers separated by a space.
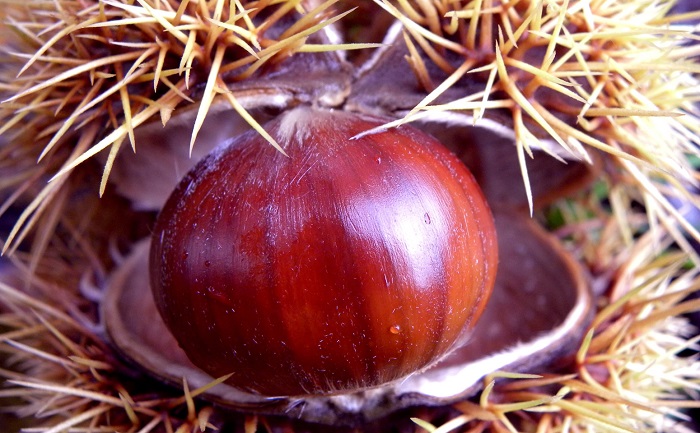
pixel 343 265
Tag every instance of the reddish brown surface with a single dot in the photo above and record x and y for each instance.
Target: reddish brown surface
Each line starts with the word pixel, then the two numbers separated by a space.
pixel 348 264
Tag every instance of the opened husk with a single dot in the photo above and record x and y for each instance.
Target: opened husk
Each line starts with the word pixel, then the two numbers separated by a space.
pixel 622 234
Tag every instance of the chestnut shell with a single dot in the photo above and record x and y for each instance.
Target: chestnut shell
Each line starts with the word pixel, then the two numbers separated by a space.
pixel 343 266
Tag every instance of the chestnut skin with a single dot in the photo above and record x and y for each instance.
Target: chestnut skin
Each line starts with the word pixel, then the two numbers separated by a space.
pixel 347 264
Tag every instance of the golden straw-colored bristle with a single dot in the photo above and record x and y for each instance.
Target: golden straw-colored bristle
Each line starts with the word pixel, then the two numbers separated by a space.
pixel 630 376
pixel 72 66
pixel 82 389
pixel 620 77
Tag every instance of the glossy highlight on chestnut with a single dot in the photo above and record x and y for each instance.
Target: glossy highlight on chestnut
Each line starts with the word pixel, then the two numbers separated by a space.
pixel 345 265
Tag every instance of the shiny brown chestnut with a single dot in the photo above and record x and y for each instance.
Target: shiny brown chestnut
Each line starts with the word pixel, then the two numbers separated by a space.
pixel 345 265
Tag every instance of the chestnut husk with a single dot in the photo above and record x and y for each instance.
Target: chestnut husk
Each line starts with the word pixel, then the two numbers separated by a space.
pixel 452 124
pixel 543 327
pixel 546 311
